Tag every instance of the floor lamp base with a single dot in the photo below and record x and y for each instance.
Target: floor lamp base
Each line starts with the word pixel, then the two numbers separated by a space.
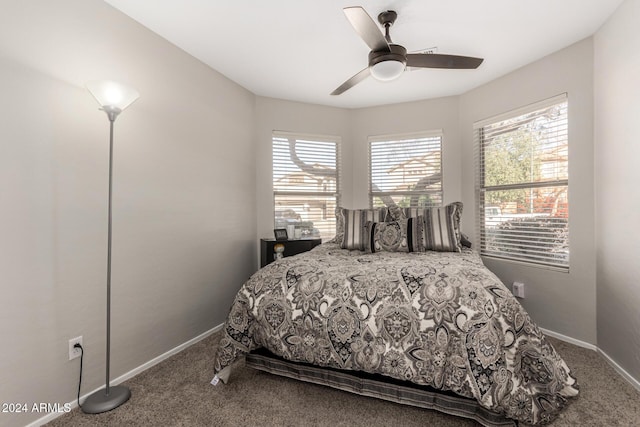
pixel 101 402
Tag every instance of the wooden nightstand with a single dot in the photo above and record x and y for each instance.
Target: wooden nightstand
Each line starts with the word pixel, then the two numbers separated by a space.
pixel 291 247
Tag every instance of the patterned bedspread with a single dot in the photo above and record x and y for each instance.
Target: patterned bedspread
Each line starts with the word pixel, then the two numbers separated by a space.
pixel 435 318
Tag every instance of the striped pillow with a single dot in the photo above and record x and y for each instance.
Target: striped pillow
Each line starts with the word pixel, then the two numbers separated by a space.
pixel 405 235
pixel 442 228
pixel 354 223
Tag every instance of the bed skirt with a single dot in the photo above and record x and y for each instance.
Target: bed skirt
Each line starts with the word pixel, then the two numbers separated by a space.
pixel 378 386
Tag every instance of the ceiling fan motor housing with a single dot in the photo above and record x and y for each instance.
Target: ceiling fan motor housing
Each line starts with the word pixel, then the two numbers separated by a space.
pixel 395 53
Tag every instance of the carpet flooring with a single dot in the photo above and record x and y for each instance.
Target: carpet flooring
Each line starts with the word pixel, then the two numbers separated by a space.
pixel 177 392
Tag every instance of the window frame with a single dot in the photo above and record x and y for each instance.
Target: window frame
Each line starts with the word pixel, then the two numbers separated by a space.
pixel 399 138
pixel 481 189
pixel 299 136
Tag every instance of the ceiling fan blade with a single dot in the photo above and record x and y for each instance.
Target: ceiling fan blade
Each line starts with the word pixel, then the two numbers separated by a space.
pixel 366 28
pixel 436 60
pixel 352 82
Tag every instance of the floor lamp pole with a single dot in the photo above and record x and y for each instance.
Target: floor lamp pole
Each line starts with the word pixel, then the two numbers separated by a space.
pixel 110 397
pixel 112 119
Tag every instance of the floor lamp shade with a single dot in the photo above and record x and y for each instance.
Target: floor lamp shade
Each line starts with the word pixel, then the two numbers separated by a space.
pixel 112 94
pixel 113 98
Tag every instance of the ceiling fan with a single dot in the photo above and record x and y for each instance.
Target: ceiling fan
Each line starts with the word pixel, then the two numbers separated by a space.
pixel 387 60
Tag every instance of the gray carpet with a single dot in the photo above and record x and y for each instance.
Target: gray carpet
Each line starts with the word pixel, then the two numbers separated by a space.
pixel 177 392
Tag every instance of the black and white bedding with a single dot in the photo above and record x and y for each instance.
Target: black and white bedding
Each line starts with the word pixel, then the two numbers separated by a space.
pixel 440 319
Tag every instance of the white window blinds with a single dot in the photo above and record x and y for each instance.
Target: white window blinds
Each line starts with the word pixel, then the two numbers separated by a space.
pixel 306 183
pixel 406 170
pixel 522 183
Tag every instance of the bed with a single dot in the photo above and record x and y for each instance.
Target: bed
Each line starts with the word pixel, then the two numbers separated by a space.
pixel 386 304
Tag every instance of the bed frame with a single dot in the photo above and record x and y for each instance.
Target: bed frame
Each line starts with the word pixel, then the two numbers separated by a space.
pixel 378 386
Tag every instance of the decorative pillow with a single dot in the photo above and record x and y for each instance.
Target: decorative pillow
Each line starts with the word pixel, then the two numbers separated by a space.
pixel 405 235
pixel 354 223
pixel 395 213
pixel 442 228
pixel 339 226
pixel 464 240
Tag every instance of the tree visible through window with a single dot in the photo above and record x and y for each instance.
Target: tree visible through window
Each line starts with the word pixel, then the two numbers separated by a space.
pixel 306 183
pixel 406 170
pixel 522 185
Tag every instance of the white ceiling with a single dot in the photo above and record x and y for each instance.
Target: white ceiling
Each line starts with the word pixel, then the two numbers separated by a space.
pixel 301 50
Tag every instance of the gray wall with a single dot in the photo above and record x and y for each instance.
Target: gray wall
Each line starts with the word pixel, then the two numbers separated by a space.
pixel 562 302
pixel 184 197
pixel 617 145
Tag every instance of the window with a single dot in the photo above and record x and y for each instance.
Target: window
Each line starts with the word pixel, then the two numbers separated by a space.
pixel 522 183
pixel 406 170
pixel 306 183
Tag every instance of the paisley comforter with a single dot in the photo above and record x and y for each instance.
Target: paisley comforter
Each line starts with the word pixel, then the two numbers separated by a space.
pixel 436 318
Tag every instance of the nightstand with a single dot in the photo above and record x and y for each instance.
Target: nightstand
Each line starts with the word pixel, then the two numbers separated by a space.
pixel 291 247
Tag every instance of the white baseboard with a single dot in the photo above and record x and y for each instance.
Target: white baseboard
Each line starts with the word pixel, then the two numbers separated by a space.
pixel 570 340
pixel 619 369
pixel 132 373
pixel 624 374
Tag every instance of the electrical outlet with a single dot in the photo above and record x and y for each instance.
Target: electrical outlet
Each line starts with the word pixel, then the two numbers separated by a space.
pixel 518 289
pixel 74 352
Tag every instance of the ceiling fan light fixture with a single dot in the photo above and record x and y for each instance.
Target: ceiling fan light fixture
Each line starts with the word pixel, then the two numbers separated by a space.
pixel 387 70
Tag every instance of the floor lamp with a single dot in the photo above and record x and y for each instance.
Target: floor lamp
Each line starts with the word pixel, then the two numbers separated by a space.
pixel 113 99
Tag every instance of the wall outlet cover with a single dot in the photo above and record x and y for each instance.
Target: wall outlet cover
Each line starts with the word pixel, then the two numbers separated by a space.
pixel 75 352
pixel 518 289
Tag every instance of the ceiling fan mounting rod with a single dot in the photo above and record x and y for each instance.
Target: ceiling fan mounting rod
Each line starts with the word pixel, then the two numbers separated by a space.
pixel 386 33
pixel 386 19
